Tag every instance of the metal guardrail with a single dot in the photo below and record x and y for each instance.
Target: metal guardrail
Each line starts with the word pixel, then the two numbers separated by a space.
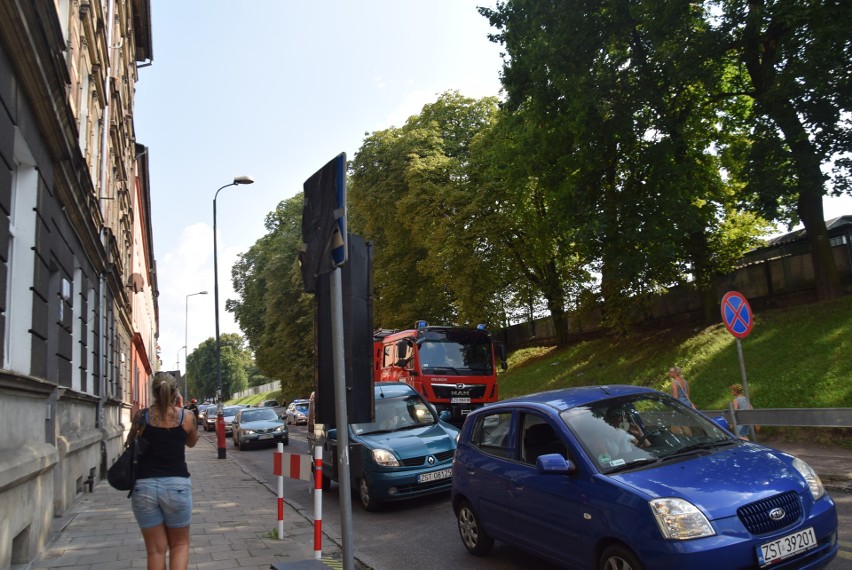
pixel 788 417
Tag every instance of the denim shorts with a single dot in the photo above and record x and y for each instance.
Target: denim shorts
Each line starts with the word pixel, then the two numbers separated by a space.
pixel 162 500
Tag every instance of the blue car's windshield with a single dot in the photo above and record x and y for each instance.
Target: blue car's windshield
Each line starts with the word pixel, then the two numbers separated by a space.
pixel 637 430
pixel 393 414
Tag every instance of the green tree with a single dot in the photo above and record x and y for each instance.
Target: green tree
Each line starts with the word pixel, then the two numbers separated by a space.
pixel 272 308
pixel 409 195
pixel 201 366
pixel 626 137
pixel 794 74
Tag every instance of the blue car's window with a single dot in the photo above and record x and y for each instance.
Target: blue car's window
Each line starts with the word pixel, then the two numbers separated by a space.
pixel 491 433
pixel 539 438
pixel 616 433
pixel 393 414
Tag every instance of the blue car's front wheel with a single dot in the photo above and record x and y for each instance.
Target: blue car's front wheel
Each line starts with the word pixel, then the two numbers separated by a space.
pixel 368 501
pixel 617 557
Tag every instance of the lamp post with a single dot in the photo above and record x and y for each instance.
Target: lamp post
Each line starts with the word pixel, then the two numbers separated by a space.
pixel 220 418
pixel 178 369
pixel 186 336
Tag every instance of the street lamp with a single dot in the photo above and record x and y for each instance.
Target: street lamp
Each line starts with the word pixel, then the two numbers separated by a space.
pixel 186 336
pixel 220 419
pixel 178 368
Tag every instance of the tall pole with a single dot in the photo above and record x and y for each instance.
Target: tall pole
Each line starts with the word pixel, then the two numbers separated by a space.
pixel 220 418
pixel 186 338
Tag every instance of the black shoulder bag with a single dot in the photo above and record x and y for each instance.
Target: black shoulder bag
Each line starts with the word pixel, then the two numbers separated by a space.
pixel 122 474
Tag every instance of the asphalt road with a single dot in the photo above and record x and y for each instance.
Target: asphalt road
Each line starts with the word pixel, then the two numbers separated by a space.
pixel 383 540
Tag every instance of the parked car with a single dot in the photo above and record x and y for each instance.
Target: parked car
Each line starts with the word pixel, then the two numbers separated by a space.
pixel 228 413
pixel 628 477
pixel 275 405
pixel 407 452
pixel 297 412
pixel 258 426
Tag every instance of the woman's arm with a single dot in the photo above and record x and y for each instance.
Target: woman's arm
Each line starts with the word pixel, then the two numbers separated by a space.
pixel 134 427
pixel 190 425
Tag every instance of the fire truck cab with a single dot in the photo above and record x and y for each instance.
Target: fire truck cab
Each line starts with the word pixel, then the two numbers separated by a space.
pixel 453 368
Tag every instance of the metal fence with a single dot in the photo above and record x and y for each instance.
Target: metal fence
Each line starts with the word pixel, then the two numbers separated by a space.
pixel 787 417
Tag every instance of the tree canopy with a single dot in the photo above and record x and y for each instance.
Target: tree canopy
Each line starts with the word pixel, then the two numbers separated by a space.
pixel 202 370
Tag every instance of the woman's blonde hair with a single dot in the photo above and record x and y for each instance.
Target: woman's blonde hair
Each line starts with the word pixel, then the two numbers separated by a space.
pixel 164 390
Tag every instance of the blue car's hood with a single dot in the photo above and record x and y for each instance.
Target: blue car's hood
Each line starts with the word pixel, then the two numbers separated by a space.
pixel 262 424
pixel 719 482
pixel 414 442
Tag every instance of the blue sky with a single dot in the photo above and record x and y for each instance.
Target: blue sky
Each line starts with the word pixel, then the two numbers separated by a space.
pixel 274 89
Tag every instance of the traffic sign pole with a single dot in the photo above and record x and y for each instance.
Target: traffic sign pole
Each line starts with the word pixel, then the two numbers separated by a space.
pixel 738 319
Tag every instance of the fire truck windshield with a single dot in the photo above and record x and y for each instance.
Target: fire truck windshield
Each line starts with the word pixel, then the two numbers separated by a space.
pixel 470 355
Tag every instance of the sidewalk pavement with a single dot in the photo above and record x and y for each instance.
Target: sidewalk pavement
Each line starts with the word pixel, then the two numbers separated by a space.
pixel 234 519
pixel 234 516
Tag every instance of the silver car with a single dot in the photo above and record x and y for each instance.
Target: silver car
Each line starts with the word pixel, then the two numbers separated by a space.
pixel 258 426
pixel 228 413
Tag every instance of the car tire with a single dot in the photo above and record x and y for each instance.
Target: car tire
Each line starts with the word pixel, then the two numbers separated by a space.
pixel 285 441
pixel 473 535
pixel 367 500
pixel 326 482
pixel 618 557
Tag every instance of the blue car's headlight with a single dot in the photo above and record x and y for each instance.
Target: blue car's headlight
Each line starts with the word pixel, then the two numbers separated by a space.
pixel 385 458
pixel 679 519
pixel 247 431
pixel 281 428
pixel 813 480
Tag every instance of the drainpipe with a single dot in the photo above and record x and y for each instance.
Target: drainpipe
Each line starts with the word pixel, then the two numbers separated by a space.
pixel 101 420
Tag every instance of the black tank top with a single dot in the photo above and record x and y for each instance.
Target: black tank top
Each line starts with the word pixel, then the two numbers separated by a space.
pixel 166 454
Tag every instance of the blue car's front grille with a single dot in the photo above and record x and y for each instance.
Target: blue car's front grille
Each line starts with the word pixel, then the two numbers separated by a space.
pixel 755 516
pixel 421 459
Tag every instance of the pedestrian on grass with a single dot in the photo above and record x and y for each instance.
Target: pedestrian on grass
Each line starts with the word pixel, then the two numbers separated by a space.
pixel 741 403
pixel 162 494
pixel 680 387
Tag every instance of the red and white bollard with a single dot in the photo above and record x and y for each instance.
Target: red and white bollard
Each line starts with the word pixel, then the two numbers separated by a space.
pixel 280 473
pixel 317 502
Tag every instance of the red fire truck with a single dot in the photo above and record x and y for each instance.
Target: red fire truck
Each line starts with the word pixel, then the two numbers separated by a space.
pixel 452 367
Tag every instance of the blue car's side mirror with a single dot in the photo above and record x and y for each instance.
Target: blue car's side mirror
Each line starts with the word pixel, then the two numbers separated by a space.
pixel 445 416
pixel 722 423
pixel 554 463
pixel 331 434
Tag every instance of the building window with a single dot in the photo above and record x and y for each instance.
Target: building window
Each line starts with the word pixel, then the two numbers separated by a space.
pixel 22 222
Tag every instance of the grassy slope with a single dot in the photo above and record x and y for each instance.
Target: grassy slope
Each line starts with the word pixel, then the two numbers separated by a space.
pixel 794 358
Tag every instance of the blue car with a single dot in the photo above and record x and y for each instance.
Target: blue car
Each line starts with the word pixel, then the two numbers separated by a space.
pixel 406 452
pixel 627 477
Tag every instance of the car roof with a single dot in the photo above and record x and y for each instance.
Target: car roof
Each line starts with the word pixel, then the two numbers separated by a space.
pixel 392 389
pixel 567 398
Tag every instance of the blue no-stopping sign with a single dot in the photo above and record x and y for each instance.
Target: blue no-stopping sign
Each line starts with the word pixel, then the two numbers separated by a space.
pixel 736 314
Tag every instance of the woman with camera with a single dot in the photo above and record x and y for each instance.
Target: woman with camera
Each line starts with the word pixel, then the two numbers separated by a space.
pixel 162 495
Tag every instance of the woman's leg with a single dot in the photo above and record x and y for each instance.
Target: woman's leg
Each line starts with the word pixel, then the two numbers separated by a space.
pixel 178 547
pixel 156 545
